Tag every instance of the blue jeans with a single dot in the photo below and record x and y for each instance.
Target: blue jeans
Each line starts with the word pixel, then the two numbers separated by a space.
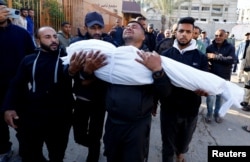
pixel 211 101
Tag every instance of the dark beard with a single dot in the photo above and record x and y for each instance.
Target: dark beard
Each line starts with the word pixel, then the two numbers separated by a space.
pixel 184 44
pixel 2 22
pixel 47 48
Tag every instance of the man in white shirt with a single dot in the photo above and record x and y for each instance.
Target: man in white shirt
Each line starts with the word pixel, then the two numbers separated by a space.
pixel 22 20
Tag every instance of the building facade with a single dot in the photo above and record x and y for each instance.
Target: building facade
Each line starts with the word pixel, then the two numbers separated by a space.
pixel 210 15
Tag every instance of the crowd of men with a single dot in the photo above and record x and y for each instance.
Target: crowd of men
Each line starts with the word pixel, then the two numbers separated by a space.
pixel 38 100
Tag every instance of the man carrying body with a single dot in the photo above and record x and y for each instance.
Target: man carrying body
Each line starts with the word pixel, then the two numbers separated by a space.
pixel 89 110
pixel 179 111
pixel 129 107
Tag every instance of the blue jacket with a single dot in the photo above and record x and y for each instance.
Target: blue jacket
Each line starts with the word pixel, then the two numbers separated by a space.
pixel 240 50
pixel 30 26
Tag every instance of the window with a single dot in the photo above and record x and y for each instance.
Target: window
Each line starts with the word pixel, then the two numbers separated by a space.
pixel 203 19
pixel 216 9
pixel 195 8
pixel 205 8
pixel 226 9
pixel 184 7
pixel 215 19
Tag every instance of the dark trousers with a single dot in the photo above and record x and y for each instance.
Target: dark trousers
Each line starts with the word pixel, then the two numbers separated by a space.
pixel 5 144
pixel 35 131
pixel 127 142
pixel 176 132
pixel 88 119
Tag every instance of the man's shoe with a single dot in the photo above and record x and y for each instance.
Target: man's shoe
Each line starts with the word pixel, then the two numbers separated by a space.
pixel 6 157
pixel 244 104
pixel 208 119
pixel 246 108
pixel 218 119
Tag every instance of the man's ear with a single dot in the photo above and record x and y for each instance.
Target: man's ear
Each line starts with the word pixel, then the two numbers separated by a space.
pixel 37 42
pixel 144 37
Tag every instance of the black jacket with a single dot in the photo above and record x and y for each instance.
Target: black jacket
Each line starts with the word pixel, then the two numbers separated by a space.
pixel 126 103
pixel 182 101
pixel 41 87
pixel 16 43
pixel 221 65
pixel 96 90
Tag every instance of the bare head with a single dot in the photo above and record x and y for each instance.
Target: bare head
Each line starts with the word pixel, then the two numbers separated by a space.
pixel 47 39
pixel 134 34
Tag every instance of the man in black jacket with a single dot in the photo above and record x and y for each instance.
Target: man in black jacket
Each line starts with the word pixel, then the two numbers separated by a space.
pixel 129 107
pixel 39 101
pixel 221 56
pixel 15 44
pixel 179 110
pixel 89 109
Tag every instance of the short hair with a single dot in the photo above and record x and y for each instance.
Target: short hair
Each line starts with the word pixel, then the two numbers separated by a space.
pixel 197 27
pixel 64 23
pixel 140 18
pixel 24 9
pixel 133 21
pixel 222 30
pixel 186 20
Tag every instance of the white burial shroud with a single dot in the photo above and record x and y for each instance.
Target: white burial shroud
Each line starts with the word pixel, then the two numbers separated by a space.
pixel 123 69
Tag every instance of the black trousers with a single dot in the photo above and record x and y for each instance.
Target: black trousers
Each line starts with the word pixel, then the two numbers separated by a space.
pixel 34 131
pixel 88 119
pixel 127 142
pixel 5 144
pixel 176 132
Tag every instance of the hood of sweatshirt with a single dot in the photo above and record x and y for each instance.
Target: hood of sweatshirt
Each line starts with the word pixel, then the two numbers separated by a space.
pixel 192 46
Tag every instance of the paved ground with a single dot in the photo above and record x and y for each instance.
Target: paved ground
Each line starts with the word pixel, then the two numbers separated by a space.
pixel 228 133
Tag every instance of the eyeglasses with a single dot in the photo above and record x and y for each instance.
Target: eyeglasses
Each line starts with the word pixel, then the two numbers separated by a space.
pixel 218 35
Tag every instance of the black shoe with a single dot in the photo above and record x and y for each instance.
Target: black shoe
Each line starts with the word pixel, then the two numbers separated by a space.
pixel 244 104
pixel 217 118
pixel 245 128
pixel 208 119
pixel 246 108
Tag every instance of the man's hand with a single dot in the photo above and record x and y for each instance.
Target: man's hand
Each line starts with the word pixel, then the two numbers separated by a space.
pixel 10 116
pixel 94 61
pixel 151 60
pixel 200 92
pixel 4 12
pixel 211 55
pixel 76 62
